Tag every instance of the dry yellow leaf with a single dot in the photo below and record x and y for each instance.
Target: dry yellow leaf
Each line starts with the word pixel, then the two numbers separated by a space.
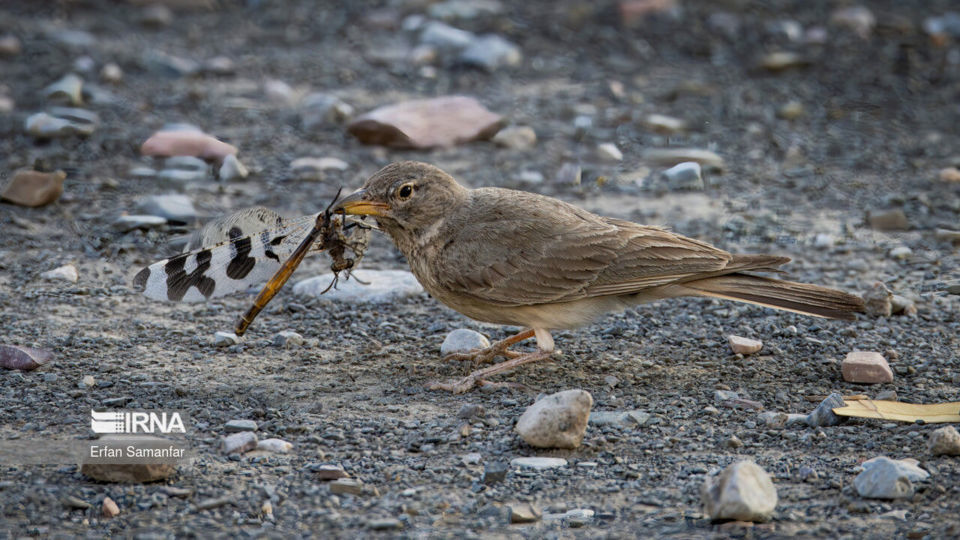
pixel 904 412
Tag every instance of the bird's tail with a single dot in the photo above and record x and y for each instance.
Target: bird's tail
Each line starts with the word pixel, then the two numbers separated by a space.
pixel 779 294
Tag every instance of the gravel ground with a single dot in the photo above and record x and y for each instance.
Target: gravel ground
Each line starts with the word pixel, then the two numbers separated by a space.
pixel 878 123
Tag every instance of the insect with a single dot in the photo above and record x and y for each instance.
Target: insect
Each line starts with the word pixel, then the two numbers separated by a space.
pixel 239 250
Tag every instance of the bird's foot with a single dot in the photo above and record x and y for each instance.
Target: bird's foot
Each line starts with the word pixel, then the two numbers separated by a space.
pixel 479 377
pixel 486 355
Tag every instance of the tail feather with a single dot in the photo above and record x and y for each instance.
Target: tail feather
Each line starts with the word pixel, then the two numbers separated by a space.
pixel 779 294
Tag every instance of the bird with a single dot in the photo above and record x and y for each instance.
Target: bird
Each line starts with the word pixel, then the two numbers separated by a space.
pixel 518 258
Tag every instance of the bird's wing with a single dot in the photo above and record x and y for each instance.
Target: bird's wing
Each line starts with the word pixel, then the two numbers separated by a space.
pixel 528 249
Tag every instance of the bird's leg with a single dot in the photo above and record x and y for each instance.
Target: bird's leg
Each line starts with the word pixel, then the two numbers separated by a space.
pixel 500 348
pixel 544 350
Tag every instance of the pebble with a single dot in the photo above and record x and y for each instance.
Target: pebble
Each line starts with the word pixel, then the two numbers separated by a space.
pixel 386 524
pixel 569 174
pixel 772 419
pixel 886 395
pixel 236 426
pixel 947 24
pixel 556 421
pixel 464 9
pixel 67 272
pixel 238 443
pixel 225 339
pixel 823 415
pixel 385 286
pixel 473 458
pixel 171 66
pixel 858 19
pixel 742 345
pixel 6 104
pixel 885 478
pixel 469 411
pixel 277 446
pixel 23 358
pixel 330 472
pixel 725 395
pixel 663 124
pixel 314 168
pixel 88 381
pixel 494 472
pixel 319 109
pixel 734 442
pixel 427 123
pixel 609 152
pixel 156 16
pixel 109 509
pixel 111 73
pixel 516 137
pixel 68 89
pixel 128 473
pixel 288 339
pixel 901 253
pixel 348 486
pixel 33 188
pixel 686 175
pixel 945 441
pixel 878 301
pixel 823 241
pixel 530 177
pixel 173 207
pixel 186 143
pixel 619 418
pixel 445 37
pixel 491 52
pixel 888 220
pixel 75 502
pixel 186 163
pixel 232 169
pixel 538 463
pixel 61 122
pixel 791 110
pixel 128 223
pixel 278 92
pixel 866 367
pixel 781 60
pixel 743 492
pixel 463 340
pixel 524 513
pixel 949 174
pixel 9 45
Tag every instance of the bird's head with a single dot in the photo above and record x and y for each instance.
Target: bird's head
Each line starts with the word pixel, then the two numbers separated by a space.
pixel 406 198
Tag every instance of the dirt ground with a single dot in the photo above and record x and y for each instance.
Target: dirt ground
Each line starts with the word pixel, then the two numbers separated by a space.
pixel 878 122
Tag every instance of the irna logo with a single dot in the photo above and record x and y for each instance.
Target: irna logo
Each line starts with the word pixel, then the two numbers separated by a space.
pixel 136 422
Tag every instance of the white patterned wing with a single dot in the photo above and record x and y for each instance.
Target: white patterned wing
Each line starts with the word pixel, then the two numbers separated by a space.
pixel 228 255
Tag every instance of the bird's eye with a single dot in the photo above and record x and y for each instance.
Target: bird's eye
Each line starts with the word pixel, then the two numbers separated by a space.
pixel 405 192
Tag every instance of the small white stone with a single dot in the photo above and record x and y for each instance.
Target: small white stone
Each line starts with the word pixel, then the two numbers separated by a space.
pixel 463 340
pixel 129 223
pixel 173 206
pixel 241 442
pixel 538 462
pixel 742 345
pixel 609 152
pixel 277 446
pixel 67 272
pixel 743 491
pixel 111 73
pixel 530 177
pixel 491 52
pixel 686 175
pixel 556 421
pixel 444 36
pixel 278 92
pixel 225 339
pixel 384 286
pixel 901 253
pixel 516 137
pixel 664 124
pixel 232 169
pixel 823 241
pixel 472 458
pixel 88 381
pixel 288 338
pixel 885 478
pixel 945 441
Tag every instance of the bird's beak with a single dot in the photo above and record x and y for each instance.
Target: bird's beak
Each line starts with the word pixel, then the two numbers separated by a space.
pixel 354 204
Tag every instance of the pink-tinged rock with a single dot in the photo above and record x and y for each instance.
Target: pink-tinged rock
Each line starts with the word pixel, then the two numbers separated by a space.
pixel 186 143
pixel 110 508
pixel 23 358
pixel 950 174
pixel 866 367
pixel 742 345
pixel 34 188
pixel 427 123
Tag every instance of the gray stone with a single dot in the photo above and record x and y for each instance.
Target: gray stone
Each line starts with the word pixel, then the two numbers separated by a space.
pixel 773 419
pixel 385 524
pixel 384 286
pixel 320 109
pixel 609 152
pixel 67 272
pixel 823 415
pixel 445 37
pixel 538 462
pixel 174 207
pixel 348 486
pixel 743 492
pixel 235 426
pixel 48 125
pixel 878 300
pixel 619 418
pixel 491 52
pixel 516 137
pixel 178 177
pixel 232 169
pixel 463 340
pixel 129 223
pixel 464 9
pixel 684 176
pixel 288 339
pixel 473 458
pixel 725 395
pixel 225 339
pixel 945 441
pixel 238 443
pixel 556 421
pixel 495 471
pixel 885 478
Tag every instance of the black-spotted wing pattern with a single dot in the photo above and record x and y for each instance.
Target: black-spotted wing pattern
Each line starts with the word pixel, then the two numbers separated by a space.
pixel 228 255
